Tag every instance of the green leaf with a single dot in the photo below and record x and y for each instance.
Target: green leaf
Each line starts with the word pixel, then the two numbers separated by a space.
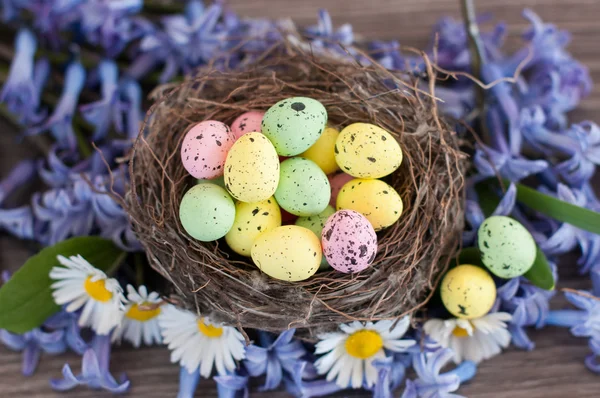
pixel 470 255
pixel 26 299
pixel 488 198
pixel 540 274
pixel 560 210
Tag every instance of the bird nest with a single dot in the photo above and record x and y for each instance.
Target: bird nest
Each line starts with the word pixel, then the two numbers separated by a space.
pixel 212 280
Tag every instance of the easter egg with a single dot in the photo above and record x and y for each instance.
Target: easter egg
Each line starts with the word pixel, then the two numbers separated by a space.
pixel 205 147
pixel 290 253
pixel 349 241
pixel 251 220
pixel 316 224
pixel 206 212
pixel 294 124
pixel 252 168
pixel 507 248
pixel 367 151
pixel 374 199
pixel 321 152
pixel 303 187
pixel 337 181
pixel 468 291
pixel 220 181
pixel 247 123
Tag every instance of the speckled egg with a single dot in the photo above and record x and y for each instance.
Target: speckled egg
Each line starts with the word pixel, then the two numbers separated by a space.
pixel 337 181
pixel 251 220
pixel 367 151
pixel 205 147
pixel 247 123
pixel 468 291
pixel 303 187
pixel 294 124
pixel 349 241
pixel 252 168
pixel 316 224
pixel 507 248
pixel 321 152
pixel 374 199
pixel 220 181
pixel 290 253
pixel 206 212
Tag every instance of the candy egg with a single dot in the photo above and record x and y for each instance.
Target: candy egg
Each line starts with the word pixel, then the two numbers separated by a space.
pixel 204 149
pixel 247 123
pixel 507 248
pixel 337 181
pixel 303 187
pixel 252 168
pixel 294 124
pixel 251 220
pixel 349 241
pixel 367 151
pixel 374 199
pixel 468 291
pixel 316 224
pixel 206 212
pixel 290 253
pixel 321 152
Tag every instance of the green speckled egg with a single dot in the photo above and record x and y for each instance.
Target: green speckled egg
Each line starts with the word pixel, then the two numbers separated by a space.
pixel 294 124
pixel 507 248
pixel 316 223
pixel 207 212
pixel 303 188
pixel 220 181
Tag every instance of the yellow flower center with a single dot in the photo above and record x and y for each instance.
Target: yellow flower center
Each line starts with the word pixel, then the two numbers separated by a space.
pixel 209 330
pixel 460 332
pixel 363 344
pixel 97 290
pixel 142 315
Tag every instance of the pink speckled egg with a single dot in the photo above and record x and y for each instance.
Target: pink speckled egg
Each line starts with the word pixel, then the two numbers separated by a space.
pixel 205 147
pixel 247 123
pixel 349 241
pixel 337 181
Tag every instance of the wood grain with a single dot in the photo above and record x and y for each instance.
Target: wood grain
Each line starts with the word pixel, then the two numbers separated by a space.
pixel 554 369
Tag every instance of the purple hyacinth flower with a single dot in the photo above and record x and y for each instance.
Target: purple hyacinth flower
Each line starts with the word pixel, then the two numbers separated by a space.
pixel 19 222
pixel 94 371
pixel 490 162
pixel 155 49
pixel 60 122
pixel 58 168
pixel 391 372
pixel 232 386
pixel 324 35
pixel 273 357
pixel 538 136
pixel 296 386
pixel 591 361
pixel 188 382
pixel 32 344
pixel 133 115
pixel 474 216
pixel 580 168
pixel 102 113
pixel 67 321
pixel 11 9
pixel 20 174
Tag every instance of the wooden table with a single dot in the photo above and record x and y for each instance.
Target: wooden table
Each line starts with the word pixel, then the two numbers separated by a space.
pixel 554 369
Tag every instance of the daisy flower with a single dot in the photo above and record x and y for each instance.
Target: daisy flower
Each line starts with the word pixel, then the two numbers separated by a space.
pixel 139 323
pixel 471 339
pixel 78 284
pixel 349 354
pixel 196 342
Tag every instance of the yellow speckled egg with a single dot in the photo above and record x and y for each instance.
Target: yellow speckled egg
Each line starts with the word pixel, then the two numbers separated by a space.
pixel 251 220
pixel 374 199
pixel 367 151
pixel 322 151
pixel 252 168
pixel 468 291
pixel 290 253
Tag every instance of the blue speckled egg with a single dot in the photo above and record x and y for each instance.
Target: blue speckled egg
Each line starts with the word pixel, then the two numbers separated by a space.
pixel 294 124
pixel 303 188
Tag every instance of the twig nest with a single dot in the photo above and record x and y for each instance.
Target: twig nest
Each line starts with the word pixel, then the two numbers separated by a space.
pixel 226 286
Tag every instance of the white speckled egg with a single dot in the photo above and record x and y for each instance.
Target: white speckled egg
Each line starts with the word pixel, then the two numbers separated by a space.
pixel 251 220
pixel 507 248
pixel 294 124
pixel 207 212
pixel 367 151
pixel 349 241
pixel 303 187
pixel 252 168
pixel 316 224
pixel 204 149
pixel 290 253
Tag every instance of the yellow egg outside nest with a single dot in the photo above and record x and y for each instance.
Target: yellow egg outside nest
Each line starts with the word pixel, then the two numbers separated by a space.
pixel 322 151
pixel 468 291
